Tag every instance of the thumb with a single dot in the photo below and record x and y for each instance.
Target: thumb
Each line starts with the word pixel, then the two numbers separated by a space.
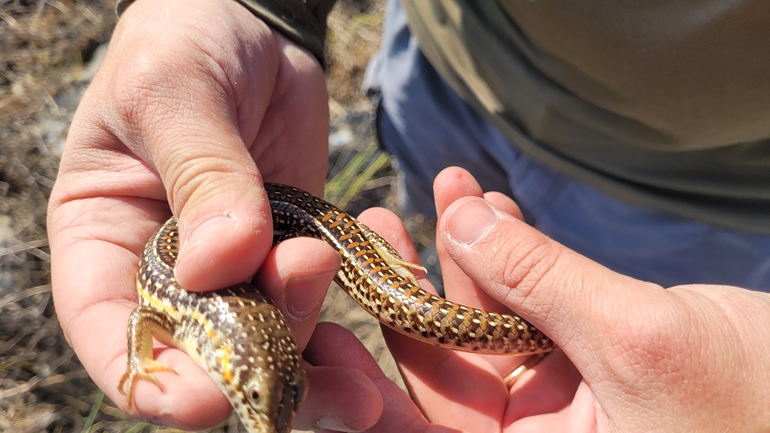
pixel 184 100
pixel 215 190
pixel 578 303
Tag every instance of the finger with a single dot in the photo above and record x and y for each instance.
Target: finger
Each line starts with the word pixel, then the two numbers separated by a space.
pixel 440 379
pixel 187 399
pixel 454 389
pixel 545 388
pixel 450 185
pixel 583 413
pixel 342 394
pixel 94 244
pixel 333 345
pixel 288 152
pixel 296 276
pixel 339 399
pixel 568 296
pixel 504 203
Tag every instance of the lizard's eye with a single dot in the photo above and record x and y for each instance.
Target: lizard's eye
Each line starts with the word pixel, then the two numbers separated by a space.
pixel 254 394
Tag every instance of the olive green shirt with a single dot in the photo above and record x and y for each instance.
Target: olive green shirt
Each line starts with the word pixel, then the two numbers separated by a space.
pixel 664 104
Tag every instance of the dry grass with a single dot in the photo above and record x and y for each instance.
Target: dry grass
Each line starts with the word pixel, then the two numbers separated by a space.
pixel 46 53
pixel 44 47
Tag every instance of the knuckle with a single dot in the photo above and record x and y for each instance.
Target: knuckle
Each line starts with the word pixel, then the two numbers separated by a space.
pixel 205 179
pixel 142 94
pixel 192 180
pixel 138 77
pixel 526 263
pixel 158 79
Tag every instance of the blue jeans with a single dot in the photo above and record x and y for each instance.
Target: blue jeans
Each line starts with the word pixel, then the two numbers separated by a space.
pixel 423 122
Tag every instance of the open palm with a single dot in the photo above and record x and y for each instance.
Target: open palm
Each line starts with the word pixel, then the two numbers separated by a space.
pixel 689 358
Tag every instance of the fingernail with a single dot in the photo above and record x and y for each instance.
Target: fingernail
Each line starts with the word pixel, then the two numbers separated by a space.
pixel 331 422
pixel 215 227
pixel 299 299
pixel 471 220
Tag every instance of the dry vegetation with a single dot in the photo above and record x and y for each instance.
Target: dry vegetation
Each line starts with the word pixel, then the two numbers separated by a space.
pixel 49 50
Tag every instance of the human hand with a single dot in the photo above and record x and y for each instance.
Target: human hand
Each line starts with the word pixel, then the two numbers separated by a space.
pixel 690 358
pixel 196 103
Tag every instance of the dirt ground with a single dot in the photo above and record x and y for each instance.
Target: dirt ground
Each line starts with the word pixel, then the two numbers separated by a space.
pixel 49 51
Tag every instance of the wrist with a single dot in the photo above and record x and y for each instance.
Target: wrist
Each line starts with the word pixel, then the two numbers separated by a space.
pixel 292 18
